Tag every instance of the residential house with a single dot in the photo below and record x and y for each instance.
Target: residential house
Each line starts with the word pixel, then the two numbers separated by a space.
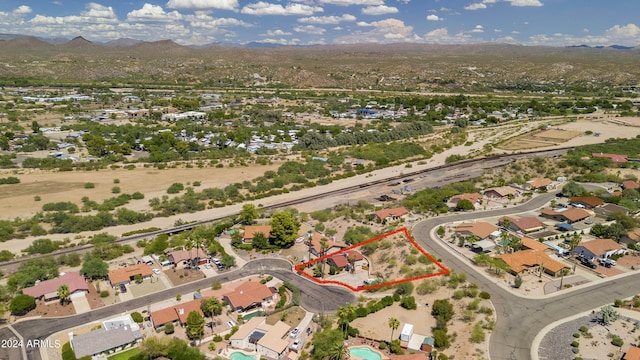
pixel 616 158
pixel 182 258
pixel 393 214
pixel 634 235
pixel 531 244
pixel 632 354
pixel 524 260
pixel 127 274
pixel 267 340
pixel 609 209
pixel 569 216
pixel 630 184
pixel 588 202
pixel 175 314
pixel 501 192
pixel 481 229
pixel 523 224
pixel 599 248
pixel 251 231
pixel 315 245
pixel 342 260
pixel 473 197
pixel 106 340
pixel 248 295
pixel 48 289
pixel 542 184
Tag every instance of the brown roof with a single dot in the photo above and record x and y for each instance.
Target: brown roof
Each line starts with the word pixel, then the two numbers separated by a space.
pixel 632 354
pixel 317 246
pixel 342 259
pixel 572 215
pixel 126 274
pixel 502 190
pixel 473 197
pixel 73 280
pixel 524 259
pixel 600 246
pixel 395 212
pixel 178 312
pixel 164 316
pixel 527 223
pixel 251 231
pixel 613 157
pixel 480 229
pixel 184 309
pixel 587 200
pixel 179 255
pixel 533 244
pixel 634 234
pixel 630 184
pixel 539 182
pixel 247 294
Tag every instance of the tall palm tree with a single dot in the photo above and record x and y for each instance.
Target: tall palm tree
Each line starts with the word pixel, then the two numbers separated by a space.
pixel 393 324
pixel 344 315
pixel 63 294
pixel 338 351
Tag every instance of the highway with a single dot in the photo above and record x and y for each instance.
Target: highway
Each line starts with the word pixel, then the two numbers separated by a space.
pixel 519 319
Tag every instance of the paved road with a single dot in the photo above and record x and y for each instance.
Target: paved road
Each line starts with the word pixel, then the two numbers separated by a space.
pixel 314 298
pixel 519 319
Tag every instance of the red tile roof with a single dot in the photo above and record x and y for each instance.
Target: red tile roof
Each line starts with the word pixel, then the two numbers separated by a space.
pixel 527 223
pixel 342 259
pixel 533 244
pixel 525 259
pixel 126 274
pixel 164 316
pixel 251 231
pixel 632 354
pixel 630 184
pixel 247 294
pixel 473 197
pixel 317 246
pixel 572 215
pixel 480 229
pixel 614 157
pixel 539 182
pixel 73 280
pixel 591 201
pixel 396 212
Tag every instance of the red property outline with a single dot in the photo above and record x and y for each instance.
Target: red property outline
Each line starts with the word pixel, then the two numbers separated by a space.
pixel 445 271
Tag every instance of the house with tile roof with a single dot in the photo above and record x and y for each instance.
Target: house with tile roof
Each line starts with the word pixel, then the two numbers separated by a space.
pixel 630 184
pixel 524 224
pixel 394 214
pixel 531 244
pixel 251 231
pixel 182 258
pixel 481 229
pixel 599 248
pixel 48 289
pixel 527 261
pixel 474 198
pixel 632 354
pixel 342 260
pixel 569 216
pixel 268 341
pixel 127 274
pixel 176 313
pixel 315 245
pixel 616 158
pixel 501 192
pixel 543 184
pixel 588 202
pixel 248 295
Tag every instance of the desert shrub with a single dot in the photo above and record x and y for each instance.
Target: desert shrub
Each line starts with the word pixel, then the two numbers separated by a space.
pixel 484 295
pixel 575 344
pixel 169 329
pixel 22 304
pixel 175 188
pixel 409 303
pixel 89 185
pixel 104 293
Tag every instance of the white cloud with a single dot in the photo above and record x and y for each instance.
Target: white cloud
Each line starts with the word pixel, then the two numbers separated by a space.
pixel 93 13
pixel 352 2
pixel 277 32
pixel 363 24
pixel 309 29
pixel 324 20
pixel 22 10
pixel 281 41
pixel 478 29
pixel 265 8
pixel 629 31
pixel 384 31
pixel 525 2
pixel 379 10
pixel 205 21
pixel 433 17
pixel 203 4
pixel 476 6
pixel 497 30
pixel 57 3
pixel 152 13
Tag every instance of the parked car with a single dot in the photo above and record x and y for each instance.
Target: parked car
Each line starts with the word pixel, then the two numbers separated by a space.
pixel 207 266
pixel 294 332
pixel 231 323
pixel 123 288
pixel 156 271
pixel 295 345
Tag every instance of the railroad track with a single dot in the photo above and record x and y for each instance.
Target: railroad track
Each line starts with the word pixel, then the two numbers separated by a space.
pixel 12 264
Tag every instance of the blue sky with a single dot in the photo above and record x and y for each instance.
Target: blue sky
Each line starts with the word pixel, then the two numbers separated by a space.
pixel 308 22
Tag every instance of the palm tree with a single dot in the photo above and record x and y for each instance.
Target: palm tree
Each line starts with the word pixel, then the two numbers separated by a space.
pixel 338 351
pixel 63 294
pixel 344 315
pixel 323 250
pixel 393 324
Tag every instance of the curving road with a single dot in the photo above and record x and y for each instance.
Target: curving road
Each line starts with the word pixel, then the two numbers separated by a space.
pixel 519 320
pixel 314 297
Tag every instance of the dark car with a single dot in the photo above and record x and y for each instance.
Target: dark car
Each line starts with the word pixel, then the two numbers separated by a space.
pixel 123 288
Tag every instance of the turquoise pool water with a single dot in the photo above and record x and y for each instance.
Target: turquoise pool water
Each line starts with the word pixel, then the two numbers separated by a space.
pixel 241 356
pixel 365 353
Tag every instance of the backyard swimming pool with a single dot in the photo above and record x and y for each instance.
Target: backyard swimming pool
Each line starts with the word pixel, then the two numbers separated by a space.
pixel 365 353
pixel 240 356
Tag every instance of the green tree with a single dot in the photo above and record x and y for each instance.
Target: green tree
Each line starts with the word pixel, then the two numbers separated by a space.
pixel 338 351
pixel 249 213
pixel 211 307
pixel 93 267
pixel 441 338
pixel 63 294
pixel 464 204
pixel 608 314
pixel 345 314
pixel 571 188
pixel 393 324
pixel 228 260
pixel 260 241
pixel 22 304
pixel 137 317
pixel 324 342
pixel 284 229
pixel 442 311
pixel 195 325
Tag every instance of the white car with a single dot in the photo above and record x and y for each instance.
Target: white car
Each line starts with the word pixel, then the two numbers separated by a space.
pixel 294 333
pixel 230 323
pixel 207 266
pixel 295 345
pixel 156 271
